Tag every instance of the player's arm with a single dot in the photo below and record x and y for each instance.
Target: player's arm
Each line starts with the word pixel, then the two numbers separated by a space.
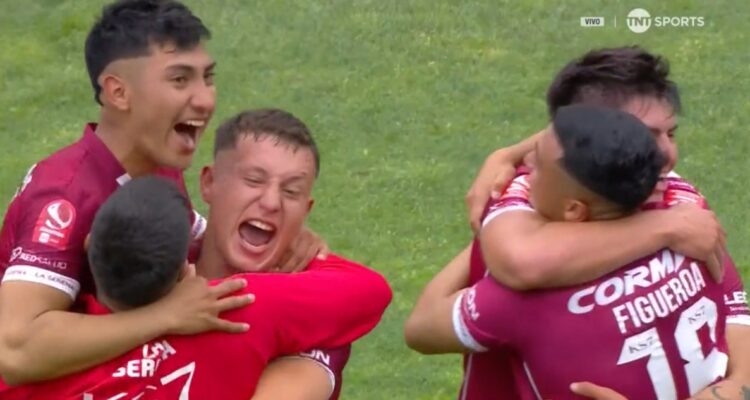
pixel 738 340
pixel 498 169
pixel 327 307
pixel 429 328
pixel 738 324
pixel 294 378
pixel 727 389
pixel 524 251
pixel 326 385
pixel 39 340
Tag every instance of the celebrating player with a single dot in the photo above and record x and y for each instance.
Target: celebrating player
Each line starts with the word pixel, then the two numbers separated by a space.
pixel 154 81
pixel 138 250
pixel 644 322
pixel 533 248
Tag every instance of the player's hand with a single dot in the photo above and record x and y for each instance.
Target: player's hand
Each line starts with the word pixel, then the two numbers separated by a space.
pixel 193 306
pixel 698 234
pixel 492 178
pixel 306 246
pixel 596 392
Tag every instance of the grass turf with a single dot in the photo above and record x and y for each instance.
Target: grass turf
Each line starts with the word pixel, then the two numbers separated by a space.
pixel 405 98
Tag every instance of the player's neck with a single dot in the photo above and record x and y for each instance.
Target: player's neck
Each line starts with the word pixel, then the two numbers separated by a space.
pixel 606 213
pixel 210 265
pixel 117 139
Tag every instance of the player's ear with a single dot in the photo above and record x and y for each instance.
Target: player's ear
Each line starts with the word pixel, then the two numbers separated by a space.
pixel 187 270
pixel 207 181
pixel 114 92
pixel 86 243
pixel 576 211
pixel 310 204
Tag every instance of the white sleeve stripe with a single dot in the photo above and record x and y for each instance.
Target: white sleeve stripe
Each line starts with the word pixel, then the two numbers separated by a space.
pixel 28 273
pixel 331 375
pixel 462 331
pixel 739 319
pixel 493 214
pixel 199 226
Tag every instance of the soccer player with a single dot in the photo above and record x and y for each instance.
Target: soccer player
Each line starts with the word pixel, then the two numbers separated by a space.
pixel 636 81
pixel 138 251
pixel 651 329
pixel 154 81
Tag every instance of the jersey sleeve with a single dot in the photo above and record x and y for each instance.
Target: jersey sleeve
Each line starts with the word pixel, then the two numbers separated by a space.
pixel 515 197
pixel 327 306
pixel 735 295
pixel 333 361
pixel 484 316
pixel 47 238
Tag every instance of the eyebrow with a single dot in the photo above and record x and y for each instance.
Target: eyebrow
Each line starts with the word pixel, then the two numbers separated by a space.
pixel 189 68
pixel 296 178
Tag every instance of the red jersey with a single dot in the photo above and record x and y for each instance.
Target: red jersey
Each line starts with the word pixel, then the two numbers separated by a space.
pixel 659 320
pixel 332 303
pixel 49 218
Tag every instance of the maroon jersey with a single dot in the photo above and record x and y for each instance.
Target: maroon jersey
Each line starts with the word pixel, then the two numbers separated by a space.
pixel 49 218
pixel 487 375
pixel 331 304
pixel 662 314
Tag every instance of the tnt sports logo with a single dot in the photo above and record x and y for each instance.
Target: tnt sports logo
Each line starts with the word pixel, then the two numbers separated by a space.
pixel 639 21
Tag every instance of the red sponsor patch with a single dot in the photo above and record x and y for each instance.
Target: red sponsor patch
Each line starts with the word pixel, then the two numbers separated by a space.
pixel 55 224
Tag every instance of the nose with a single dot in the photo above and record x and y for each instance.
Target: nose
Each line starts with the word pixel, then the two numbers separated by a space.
pixel 270 200
pixel 204 98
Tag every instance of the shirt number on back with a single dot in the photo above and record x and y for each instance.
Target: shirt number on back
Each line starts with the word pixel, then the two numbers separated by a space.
pixel 700 370
pixel 186 370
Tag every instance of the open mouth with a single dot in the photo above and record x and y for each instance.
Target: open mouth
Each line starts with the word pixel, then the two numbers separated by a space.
pixel 257 233
pixel 188 132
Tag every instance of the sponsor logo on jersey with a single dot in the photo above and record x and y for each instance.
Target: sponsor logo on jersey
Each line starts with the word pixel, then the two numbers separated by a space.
pixel 669 279
pixel 152 355
pixel 55 224
pixel 471 305
pixel 18 256
pixel 318 355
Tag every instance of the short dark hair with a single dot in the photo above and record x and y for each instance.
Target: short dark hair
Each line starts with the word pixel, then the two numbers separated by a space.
pixel 127 28
pixel 610 152
pixel 611 77
pixel 139 241
pixel 278 124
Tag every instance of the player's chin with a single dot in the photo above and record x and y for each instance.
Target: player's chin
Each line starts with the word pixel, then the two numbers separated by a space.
pixel 177 161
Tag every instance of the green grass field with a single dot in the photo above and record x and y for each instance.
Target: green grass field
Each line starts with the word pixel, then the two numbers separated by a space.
pixel 405 98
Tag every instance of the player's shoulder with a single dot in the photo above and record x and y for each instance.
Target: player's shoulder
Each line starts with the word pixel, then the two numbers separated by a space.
pixel 515 197
pixel 334 260
pixel 57 173
pixel 676 182
pixel 679 190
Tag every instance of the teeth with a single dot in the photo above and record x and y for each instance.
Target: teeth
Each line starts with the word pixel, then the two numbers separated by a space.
pixel 195 122
pixel 261 225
